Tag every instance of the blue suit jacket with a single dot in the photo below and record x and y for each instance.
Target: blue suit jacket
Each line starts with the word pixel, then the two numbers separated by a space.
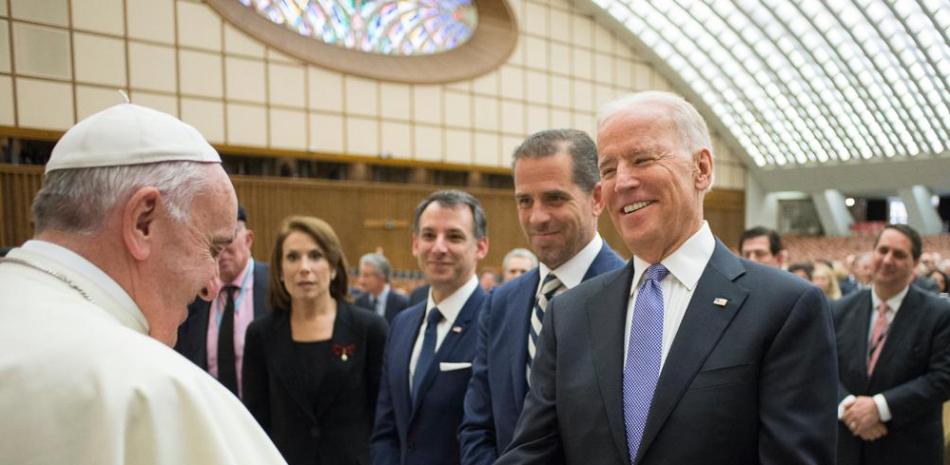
pixel 423 432
pixel 496 392
pixel 750 378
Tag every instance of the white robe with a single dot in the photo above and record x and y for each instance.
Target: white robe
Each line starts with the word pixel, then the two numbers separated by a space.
pixel 82 383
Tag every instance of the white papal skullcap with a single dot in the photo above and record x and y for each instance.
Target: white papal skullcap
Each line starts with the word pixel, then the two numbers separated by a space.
pixel 129 134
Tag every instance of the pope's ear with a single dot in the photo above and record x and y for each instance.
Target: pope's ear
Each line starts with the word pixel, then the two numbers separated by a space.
pixel 138 221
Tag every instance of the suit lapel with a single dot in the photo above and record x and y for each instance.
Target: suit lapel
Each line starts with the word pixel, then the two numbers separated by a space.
pixel 699 332
pixel 605 316
pixel 905 321
pixel 456 332
pixel 199 335
pixel 402 352
pixel 516 331
pixel 343 335
pixel 260 290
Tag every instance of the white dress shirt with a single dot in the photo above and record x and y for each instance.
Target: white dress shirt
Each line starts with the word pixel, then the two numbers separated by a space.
pixel 449 308
pixel 685 265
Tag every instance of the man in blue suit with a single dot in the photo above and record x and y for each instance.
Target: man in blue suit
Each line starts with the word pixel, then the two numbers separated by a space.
pixel 428 359
pixel 688 354
pixel 559 200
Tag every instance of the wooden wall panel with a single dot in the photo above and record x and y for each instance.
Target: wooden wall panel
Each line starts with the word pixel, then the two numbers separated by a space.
pixel 364 215
pixel 18 185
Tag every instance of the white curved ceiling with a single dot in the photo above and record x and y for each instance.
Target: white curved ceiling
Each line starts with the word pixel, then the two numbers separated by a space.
pixel 808 83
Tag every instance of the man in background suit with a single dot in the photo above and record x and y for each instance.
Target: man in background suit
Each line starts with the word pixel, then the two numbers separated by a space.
pixel 428 359
pixel 374 277
pixel 559 201
pixel 894 361
pixel 762 245
pixel 688 354
pixel 242 299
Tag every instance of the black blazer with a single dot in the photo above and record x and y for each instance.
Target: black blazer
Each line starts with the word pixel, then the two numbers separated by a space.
pixel 193 333
pixel 338 429
pixel 912 372
pixel 395 303
pixel 749 378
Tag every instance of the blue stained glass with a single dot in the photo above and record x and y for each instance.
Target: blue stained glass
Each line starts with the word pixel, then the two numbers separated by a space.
pixel 391 27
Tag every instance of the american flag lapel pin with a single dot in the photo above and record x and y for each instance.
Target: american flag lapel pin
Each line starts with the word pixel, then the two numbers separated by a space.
pixel 720 301
pixel 457 329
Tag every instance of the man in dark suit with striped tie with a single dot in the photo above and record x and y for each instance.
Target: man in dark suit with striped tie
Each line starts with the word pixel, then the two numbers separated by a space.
pixel 559 201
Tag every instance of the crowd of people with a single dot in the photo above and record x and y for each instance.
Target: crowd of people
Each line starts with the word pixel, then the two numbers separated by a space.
pixel 686 353
pixel 839 276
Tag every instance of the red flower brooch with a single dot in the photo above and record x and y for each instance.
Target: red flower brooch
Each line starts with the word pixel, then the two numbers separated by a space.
pixel 344 351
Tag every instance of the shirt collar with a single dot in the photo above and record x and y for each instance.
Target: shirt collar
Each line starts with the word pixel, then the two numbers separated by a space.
pixel 894 302
pixel 239 279
pixel 452 305
pixel 384 294
pixel 687 263
pixel 572 272
pixel 89 271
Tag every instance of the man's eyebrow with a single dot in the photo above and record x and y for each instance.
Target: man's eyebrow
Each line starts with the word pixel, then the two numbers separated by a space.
pixel 222 240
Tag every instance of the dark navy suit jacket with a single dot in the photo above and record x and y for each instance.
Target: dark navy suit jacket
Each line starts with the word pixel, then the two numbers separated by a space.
pixel 496 392
pixel 750 378
pixel 424 432
pixel 193 333
pixel 395 303
pixel 912 372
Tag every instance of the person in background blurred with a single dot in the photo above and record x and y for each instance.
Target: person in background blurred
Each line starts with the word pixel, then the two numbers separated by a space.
pixel 802 270
pixel 312 366
pixel 940 278
pixel 824 277
pixel 374 278
pixel 517 262
pixel 488 280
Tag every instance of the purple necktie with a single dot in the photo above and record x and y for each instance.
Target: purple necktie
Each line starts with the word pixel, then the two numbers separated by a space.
pixel 642 369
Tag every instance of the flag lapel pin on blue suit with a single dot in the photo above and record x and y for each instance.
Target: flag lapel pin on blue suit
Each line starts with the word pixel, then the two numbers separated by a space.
pixel 720 301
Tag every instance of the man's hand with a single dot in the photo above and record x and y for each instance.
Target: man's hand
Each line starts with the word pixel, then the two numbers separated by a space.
pixel 862 418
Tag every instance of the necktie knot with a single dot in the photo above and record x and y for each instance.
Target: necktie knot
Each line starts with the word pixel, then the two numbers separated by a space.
pixel 435 317
pixel 229 289
pixel 655 273
pixel 551 285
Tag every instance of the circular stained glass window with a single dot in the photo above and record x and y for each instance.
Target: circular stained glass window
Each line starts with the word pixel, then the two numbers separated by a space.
pixel 388 27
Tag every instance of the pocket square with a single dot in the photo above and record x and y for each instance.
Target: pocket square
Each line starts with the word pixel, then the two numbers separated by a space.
pixel 452 366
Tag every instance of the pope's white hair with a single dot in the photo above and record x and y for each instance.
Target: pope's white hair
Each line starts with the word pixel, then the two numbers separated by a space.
pixel 79 200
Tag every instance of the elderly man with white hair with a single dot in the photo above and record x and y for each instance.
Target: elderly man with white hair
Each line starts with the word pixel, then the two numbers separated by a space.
pixel 688 354
pixel 133 212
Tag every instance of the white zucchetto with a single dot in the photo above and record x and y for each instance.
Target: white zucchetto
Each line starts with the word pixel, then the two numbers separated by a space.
pixel 129 134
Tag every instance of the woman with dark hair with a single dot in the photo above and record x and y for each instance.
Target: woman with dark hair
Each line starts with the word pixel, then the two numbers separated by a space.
pixel 312 367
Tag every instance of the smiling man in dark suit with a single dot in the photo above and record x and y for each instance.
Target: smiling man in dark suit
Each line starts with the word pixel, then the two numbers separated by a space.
pixel 243 298
pixel 688 354
pixel 894 361
pixel 428 359
pixel 559 201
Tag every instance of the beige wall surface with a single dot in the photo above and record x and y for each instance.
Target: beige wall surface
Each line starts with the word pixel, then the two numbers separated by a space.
pixel 61 60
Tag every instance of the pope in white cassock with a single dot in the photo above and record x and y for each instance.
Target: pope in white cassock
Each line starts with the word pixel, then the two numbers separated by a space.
pixel 134 209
